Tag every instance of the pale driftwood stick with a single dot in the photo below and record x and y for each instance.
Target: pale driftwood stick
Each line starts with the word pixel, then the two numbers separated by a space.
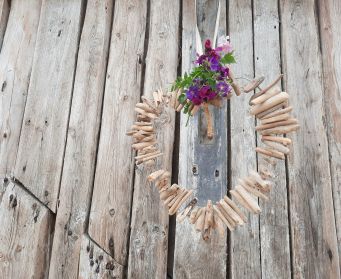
pixel 179 203
pixel 229 210
pixel 240 200
pixel 267 95
pixel 168 192
pixel 143 128
pixel 222 217
pixel 210 133
pixel 177 103
pixel 146 139
pixel 173 208
pixel 280 130
pixel 150 163
pixel 151 105
pixel 194 215
pixel 144 113
pixel 208 223
pixel 285 141
pixel 235 208
pixel 162 184
pixel 145 107
pixel 138 146
pixel 277 112
pixel 234 85
pixel 180 193
pixel 270 153
pixel 252 190
pixel 156 98
pixel 253 84
pixel 171 197
pixel 139 157
pixel 228 217
pixel 251 181
pixel 179 107
pixel 142 133
pixel 130 133
pixel 160 93
pixel 267 88
pixel 195 110
pixel 154 175
pixel 269 103
pixel 148 158
pixel 248 199
pixel 276 124
pixel 187 210
pixel 275 108
pixel 199 224
pixel 218 224
pixel 141 117
pixel 143 123
pixel 277 146
pixel 258 178
pixel 173 99
pixel 277 118
pixel 264 172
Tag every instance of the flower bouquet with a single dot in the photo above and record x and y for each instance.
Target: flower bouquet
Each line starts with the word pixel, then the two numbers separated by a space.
pixel 209 81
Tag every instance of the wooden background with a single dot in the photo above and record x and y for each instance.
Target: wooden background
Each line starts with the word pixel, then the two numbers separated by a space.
pixel 72 203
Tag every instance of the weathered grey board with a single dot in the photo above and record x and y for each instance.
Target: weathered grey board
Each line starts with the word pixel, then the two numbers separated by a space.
pixel 199 158
pixel 42 140
pixel 330 22
pixel 15 69
pixel 94 263
pixel 25 234
pixel 274 220
pixel 149 225
pixel 4 11
pixel 313 235
pixel 245 245
pixel 111 201
pixel 80 154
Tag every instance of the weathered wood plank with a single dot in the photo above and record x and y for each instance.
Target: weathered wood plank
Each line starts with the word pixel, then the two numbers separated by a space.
pixel 15 69
pixel 80 153
pixel 42 141
pixel 4 11
pixel 25 234
pixel 245 247
pixel 313 235
pixel 274 222
pixel 111 202
pixel 195 258
pixel 330 22
pixel 149 225
pixel 94 263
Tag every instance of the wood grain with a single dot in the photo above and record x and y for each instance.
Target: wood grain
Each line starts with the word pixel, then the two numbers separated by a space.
pixel 149 224
pixel 274 220
pixel 16 59
pixel 25 234
pixel 42 140
pixel 245 245
pixel 313 234
pixel 80 154
pixel 111 201
pixel 331 52
pixel 4 11
pixel 94 263
pixel 194 257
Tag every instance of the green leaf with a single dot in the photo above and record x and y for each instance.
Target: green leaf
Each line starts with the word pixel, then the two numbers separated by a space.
pixel 182 98
pixel 228 59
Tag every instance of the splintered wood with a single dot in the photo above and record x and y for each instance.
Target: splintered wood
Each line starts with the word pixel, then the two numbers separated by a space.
pixel 270 106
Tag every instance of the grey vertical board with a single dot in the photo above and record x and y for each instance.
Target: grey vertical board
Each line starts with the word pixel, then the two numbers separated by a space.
pixel 274 222
pixel 4 11
pixel 112 194
pixel 25 234
pixel 330 22
pixel 94 263
pixel 42 140
pixel 195 258
pixel 80 154
pixel 149 224
pixel 245 245
pixel 313 233
pixel 15 70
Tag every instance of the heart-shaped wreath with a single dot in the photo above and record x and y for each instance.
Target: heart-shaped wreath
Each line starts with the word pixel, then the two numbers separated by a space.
pixel 210 82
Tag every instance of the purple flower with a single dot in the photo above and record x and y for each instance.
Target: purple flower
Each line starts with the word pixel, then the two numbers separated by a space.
pixel 214 64
pixel 206 93
pixel 193 95
pixel 201 59
pixel 208 45
pixel 223 88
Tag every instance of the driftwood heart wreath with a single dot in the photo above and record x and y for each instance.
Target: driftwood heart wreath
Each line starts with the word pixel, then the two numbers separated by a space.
pixel 209 83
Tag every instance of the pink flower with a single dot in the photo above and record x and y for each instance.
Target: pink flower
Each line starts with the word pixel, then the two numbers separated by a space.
pixel 224 45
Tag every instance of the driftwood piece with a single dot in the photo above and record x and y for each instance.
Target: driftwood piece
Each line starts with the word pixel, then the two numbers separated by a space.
pixel 249 199
pixel 269 103
pixel 275 108
pixel 272 84
pixel 252 189
pixel 277 146
pixel 229 210
pixel 281 117
pixel 253 84
pixel 223 218
pixel 208 224
pixel 280 130
pixel 234 84
pixel 285 141
pixel 270 153
pixel 267 95
pixel 187 210
pixel 277 112
pixel 276 124
pixel 235 208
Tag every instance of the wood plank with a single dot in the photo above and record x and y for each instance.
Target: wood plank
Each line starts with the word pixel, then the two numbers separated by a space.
pixel 111 202
pixel 4 11
pixel 330 22
pixel 80 154
pixel 245 246
pixel 274 219
pixel 313 235
pixel 193 256
pixel 94 263
pixel 149 225
pixel 42 141
pixel 25 234
pixel 15 69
